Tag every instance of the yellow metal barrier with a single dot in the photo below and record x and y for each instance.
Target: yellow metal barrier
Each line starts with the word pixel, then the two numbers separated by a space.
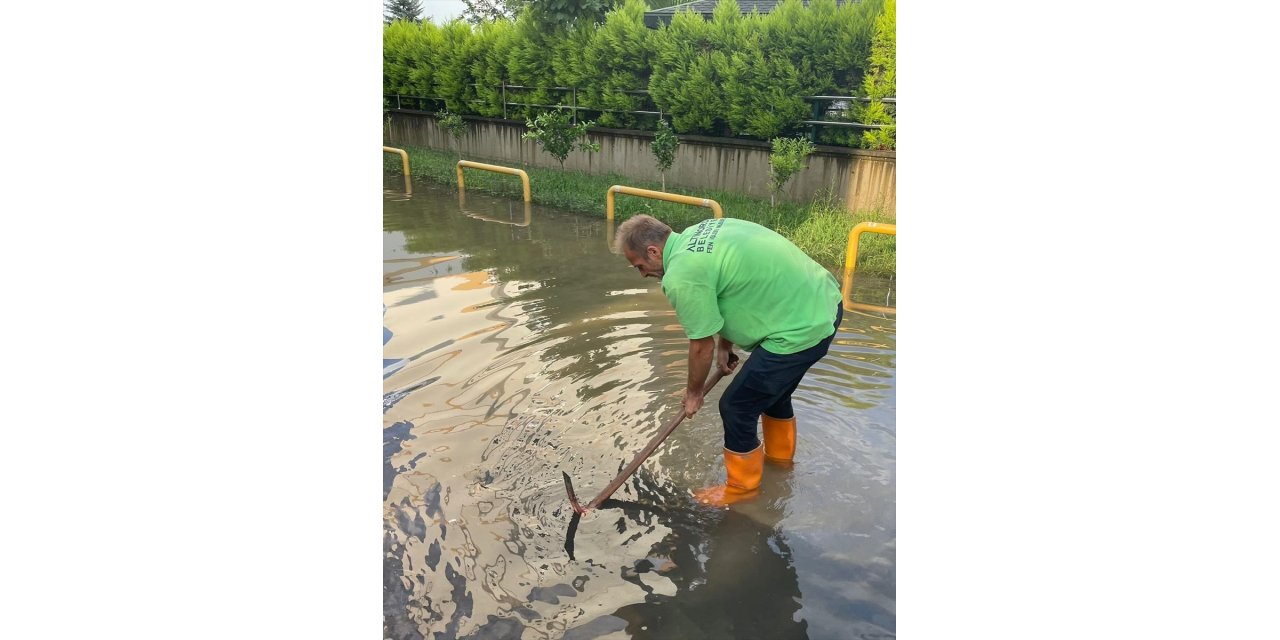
pixel 851 260
pixel 404 158
pixel 658 195
pixel 524 177
pixel 462 204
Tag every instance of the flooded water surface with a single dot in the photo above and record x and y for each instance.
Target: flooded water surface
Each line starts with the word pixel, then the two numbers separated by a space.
pixel 516 346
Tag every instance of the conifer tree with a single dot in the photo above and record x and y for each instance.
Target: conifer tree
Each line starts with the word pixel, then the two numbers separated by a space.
pixel 530 64
pixel 568 65
pixel 453 78
pixel 396 62
pixel 784 33
pixel 617 59
pixel 409 55
pixel 881 81
pixel 407 10
pixel 428 49
pixel 733 74
pixel 493 42
pixel 763 94
pixel 689 63
pixel 855 27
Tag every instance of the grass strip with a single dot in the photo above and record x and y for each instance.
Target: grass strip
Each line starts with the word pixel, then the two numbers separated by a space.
pixel 820 228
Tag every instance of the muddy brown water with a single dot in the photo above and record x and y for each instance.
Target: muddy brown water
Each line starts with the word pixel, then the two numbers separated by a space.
pixel 513 352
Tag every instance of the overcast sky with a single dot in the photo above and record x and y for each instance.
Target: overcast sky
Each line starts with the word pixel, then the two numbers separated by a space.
pixel 441 11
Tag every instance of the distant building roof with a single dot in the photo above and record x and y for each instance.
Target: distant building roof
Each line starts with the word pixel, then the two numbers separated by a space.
pixel 653 19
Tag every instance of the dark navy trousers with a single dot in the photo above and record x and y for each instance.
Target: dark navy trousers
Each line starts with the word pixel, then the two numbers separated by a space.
pixel 764 385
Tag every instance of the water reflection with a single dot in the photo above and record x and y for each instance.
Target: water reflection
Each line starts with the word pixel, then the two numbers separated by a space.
pixel 512 205
pixel 528 351
pixel 738 581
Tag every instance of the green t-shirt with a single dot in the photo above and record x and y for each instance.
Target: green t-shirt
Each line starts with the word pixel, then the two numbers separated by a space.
pixel 750 285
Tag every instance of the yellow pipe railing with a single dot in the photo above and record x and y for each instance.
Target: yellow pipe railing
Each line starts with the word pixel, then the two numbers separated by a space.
pixel 851 261
pixel 524 177
pixel 404 159
pixel 658 195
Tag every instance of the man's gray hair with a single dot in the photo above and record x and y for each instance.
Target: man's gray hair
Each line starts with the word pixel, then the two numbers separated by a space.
pixel 639 232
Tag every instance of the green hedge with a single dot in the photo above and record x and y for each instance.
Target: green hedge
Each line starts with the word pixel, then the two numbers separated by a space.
pixel 734 75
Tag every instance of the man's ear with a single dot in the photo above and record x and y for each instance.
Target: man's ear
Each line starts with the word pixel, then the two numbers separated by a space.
pixel 653 251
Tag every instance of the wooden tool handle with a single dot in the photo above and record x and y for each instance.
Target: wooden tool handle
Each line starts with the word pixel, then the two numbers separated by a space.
pixel 648 450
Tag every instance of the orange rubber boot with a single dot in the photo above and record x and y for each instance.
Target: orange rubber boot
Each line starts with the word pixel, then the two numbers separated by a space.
pixel 779 439
pixel 744 471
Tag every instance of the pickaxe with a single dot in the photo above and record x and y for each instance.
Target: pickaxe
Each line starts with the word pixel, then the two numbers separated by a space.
pixel 644 454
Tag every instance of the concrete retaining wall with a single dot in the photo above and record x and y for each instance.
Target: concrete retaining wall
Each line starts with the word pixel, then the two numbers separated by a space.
pixel 859 179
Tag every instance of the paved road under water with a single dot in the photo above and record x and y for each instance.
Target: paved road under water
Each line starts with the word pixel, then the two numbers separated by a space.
pixel 514 352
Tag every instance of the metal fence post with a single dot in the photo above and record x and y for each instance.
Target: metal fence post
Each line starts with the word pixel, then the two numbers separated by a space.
pixel 818 112
pixel 397 101
pixel 504 98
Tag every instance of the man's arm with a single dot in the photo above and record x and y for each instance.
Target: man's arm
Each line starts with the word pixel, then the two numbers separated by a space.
pixel 700 352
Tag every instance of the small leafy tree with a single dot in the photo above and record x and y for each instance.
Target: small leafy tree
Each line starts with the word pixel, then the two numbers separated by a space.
pixel 407 10
pixel 564 13
pixel 664 148
pixel 482 11
pixel 786 160
pixel 557 135
pixel 453 124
